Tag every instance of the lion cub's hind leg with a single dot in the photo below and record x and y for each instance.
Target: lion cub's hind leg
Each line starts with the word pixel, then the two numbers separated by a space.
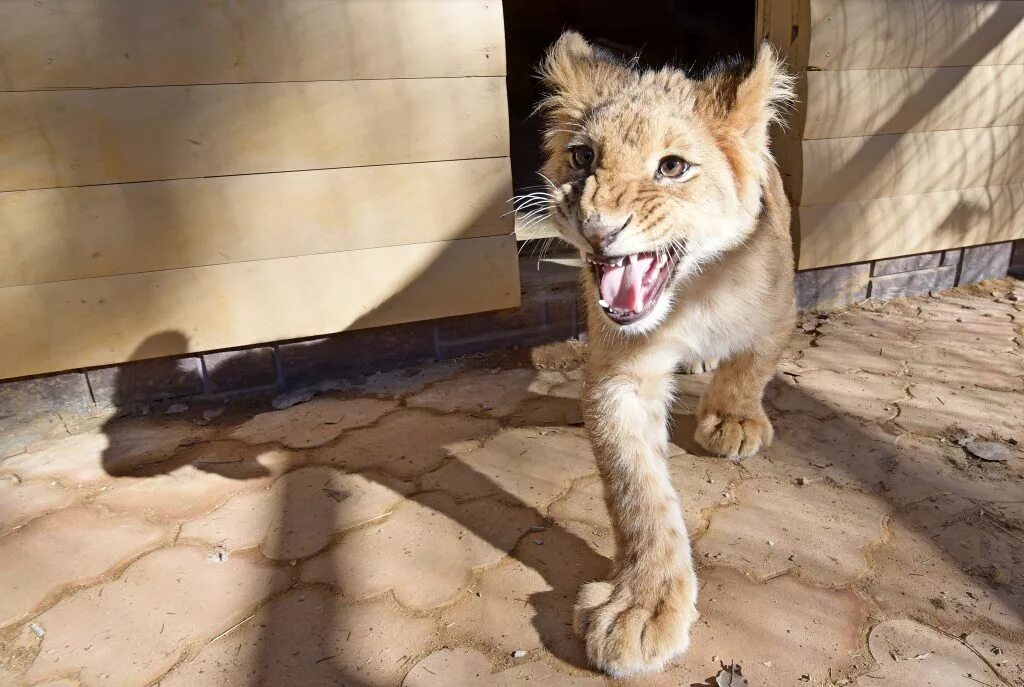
pixel 731 420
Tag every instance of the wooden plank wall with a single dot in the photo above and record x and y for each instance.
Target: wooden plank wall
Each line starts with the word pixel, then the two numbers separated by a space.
pixel 909 136
pixel 246 171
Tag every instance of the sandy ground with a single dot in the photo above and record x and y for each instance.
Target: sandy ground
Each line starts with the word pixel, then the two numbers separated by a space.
pixel 430 527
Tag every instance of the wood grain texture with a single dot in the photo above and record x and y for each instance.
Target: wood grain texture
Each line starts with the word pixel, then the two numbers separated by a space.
pixel 95 231
pixel 83 137
pixel 874 34
pixel 889 101
pixel 858 168
pixel 104 43
pixel 88 322
pixel 890 227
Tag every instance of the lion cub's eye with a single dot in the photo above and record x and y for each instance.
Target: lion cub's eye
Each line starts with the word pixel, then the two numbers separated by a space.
pixel 673 167
pixel 582 157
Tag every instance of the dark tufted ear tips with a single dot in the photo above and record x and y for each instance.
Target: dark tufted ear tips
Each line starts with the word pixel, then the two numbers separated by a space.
pixel 576 73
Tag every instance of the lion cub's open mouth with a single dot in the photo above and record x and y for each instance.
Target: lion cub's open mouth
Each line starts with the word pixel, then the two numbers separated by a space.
pixel 631 285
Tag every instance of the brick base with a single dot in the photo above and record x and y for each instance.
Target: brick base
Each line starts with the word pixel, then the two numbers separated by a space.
pixel 833 287
pixel 550 312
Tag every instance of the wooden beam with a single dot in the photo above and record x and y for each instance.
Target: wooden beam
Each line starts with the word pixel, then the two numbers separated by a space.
pixel 105 43
pixel 837 170
pixel 890 101
pixel 117 135
pixel 96 231
pixel 876 34
pixel 89 322
pixel 865 230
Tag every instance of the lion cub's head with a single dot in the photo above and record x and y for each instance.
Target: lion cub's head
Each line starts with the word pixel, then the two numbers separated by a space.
pixel 654 174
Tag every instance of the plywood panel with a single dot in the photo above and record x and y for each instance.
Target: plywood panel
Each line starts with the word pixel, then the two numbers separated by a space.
pixel 57 326
pixel 872 34
pixel 841 169
pixel 74 233
pixel 888 101
pixel 74 138
pixel 101 43
pixel 888 227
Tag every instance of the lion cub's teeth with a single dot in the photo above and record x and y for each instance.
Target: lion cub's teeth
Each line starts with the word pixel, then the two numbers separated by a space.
pixel 603 303
pixel 662 259
pixel 632 259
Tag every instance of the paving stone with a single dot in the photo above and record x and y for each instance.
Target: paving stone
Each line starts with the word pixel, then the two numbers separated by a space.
pixel 132 630
pixel 702 483
pixel 64 549
pixel 519 466
pixel 824 394
pixel 933 408
pixel 93 457
pixel 297 516
pixel 426 551
pixel 526 603
pixel 909 653
pixel 470 668
pixel 408 442
pixel 815 531
pixel 482 392
pixel 308 633
pixel 911 575
pixel 198 480
pixel 312 424
pixel 848 452
pixel 20 502
pixel 854 352
pixel 956 366
pixel 1006 653
pixel 778 630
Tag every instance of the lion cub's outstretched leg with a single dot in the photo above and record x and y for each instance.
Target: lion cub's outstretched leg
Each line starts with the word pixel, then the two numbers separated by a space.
pixel 730 419
pixel 640 618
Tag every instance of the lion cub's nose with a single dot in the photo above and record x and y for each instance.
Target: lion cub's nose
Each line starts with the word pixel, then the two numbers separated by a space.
pixel 600 233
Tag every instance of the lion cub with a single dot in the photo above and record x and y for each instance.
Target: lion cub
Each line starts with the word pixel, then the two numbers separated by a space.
pixel 667 187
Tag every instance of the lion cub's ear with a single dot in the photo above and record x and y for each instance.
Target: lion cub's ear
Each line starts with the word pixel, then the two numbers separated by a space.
pixel 576 75
pixel 745 105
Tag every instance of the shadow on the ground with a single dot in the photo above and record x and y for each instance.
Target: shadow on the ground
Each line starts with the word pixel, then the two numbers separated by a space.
pixel 860 454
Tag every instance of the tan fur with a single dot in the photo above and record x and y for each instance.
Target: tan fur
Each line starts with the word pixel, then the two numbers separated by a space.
pixel 731 300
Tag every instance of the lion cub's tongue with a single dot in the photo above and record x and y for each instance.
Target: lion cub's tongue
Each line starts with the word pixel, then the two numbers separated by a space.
pixel 622 287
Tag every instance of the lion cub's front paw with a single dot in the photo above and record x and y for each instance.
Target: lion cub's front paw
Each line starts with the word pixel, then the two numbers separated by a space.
pixel 733 436
pixel 625 638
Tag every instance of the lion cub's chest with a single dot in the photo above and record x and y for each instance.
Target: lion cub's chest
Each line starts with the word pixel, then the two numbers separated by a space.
pixel 715 327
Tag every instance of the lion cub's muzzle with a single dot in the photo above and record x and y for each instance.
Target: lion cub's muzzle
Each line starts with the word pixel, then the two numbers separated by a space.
pixel 630 286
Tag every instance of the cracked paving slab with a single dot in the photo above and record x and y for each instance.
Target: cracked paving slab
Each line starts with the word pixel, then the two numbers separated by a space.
pixel 65 549
pixel 909 653
pixel 432 526
pixel 425 552
pixel 407 443
pixel 814 531
pixel 314 423
pixel 299 514
pixel 469 668
pixel 521 466
pixel 369 643
pixel 132 630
